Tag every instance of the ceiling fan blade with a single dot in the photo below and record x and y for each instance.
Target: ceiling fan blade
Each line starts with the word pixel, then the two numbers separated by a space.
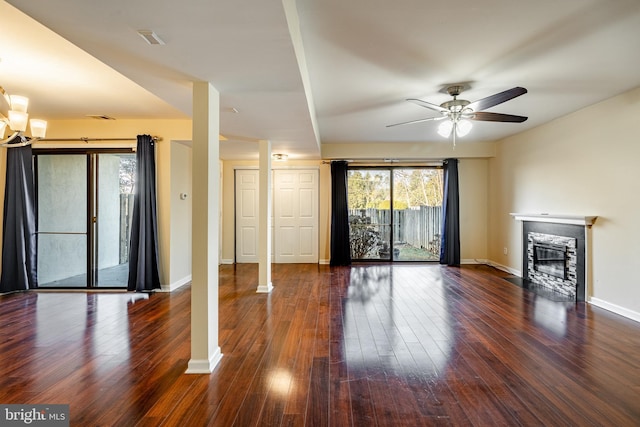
pixel 498 98
pixel 429 105
pixel 484 116
pixel 417 121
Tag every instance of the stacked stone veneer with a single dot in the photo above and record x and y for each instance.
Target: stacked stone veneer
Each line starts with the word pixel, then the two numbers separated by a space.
pixel 557 284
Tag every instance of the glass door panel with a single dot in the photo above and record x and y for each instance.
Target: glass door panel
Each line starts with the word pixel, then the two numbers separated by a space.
pixel 62 220
pixel 369 214
pixel 115 176
pixel 417 210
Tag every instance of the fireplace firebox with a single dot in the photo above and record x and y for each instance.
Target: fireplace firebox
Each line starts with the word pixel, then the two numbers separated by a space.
pixel 553 258
pixel 550 258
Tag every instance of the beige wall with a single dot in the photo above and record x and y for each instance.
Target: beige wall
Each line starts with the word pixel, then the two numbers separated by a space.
pixel 180 215
pixel 473 176
pixel 408 150
pixel 585 163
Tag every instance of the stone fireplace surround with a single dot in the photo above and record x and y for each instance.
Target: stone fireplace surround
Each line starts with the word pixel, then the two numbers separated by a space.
pixel 566 286
pixel 566 229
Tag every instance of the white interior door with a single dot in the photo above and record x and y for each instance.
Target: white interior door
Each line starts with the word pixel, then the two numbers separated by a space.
pixel 247 209
pixel 295 206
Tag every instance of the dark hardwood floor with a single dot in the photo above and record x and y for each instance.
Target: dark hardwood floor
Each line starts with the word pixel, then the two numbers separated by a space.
pixel 372 345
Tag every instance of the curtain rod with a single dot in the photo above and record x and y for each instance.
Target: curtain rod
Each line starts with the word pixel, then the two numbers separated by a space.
pixel 390 162
pixel 83 139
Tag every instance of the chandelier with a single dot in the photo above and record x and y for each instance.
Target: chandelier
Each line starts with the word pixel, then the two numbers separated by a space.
pixel 14 118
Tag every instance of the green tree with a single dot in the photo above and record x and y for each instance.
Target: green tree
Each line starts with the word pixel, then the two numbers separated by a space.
pixel 366 188
pixel 418 187
pixel 356 189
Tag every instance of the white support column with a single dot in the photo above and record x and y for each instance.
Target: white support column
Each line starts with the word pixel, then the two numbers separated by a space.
pixel 264 240
pixel 205 352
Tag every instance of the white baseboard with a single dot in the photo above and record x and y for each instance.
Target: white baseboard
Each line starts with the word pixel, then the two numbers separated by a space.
pixel 473 261
pixel 175 285
pixel 203 366
pixel 503 268
pixel 324 262
pixel 630 314
pixel 492 264
pixel 265 289
pixel 226 261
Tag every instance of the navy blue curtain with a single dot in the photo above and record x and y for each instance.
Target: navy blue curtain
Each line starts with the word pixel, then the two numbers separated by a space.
pixel 19 262
pixel 143 255
pixel 450 235
pixel 340 248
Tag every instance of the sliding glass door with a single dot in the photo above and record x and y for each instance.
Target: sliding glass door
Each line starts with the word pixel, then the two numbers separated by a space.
pixel 369 192
pixel 417 211
pixel 84 202
pixel 395 213
pixel 62 210
pixel 114 205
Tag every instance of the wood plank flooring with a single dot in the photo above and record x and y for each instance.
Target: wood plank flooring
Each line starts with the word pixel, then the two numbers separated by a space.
pixel 367 345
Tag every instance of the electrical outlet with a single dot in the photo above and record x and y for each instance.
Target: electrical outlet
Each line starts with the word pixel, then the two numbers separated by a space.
pixel 505 250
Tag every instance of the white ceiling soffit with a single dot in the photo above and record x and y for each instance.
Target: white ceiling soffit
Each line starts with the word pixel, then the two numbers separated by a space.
pixel 245 51
pixel 363 59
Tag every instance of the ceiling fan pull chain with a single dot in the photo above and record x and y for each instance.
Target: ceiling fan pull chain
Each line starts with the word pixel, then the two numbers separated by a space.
pixel 454 132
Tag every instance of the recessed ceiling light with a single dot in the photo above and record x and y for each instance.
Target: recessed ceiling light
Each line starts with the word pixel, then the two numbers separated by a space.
pixel 150 37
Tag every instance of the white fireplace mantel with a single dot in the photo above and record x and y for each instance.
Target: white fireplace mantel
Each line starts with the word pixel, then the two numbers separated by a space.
pixel 587 221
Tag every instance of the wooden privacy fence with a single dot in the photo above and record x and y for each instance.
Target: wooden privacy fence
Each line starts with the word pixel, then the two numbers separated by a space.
pixel 418 227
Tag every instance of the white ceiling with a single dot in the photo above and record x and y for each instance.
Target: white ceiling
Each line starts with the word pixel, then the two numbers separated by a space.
pixel 343 72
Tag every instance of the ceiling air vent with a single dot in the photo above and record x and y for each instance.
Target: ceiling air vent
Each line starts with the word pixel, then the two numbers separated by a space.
pixel 150 37
pixel 100 117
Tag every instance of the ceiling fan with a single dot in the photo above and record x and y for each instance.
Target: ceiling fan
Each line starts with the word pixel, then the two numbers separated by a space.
pixel 459 112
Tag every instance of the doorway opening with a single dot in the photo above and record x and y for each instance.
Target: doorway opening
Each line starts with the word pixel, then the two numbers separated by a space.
pixel 395 213
pixel 84 202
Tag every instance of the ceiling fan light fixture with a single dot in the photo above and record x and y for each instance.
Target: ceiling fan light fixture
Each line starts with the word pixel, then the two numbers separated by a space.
pixel 458 113
pixel 463 127
pixel 445 128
